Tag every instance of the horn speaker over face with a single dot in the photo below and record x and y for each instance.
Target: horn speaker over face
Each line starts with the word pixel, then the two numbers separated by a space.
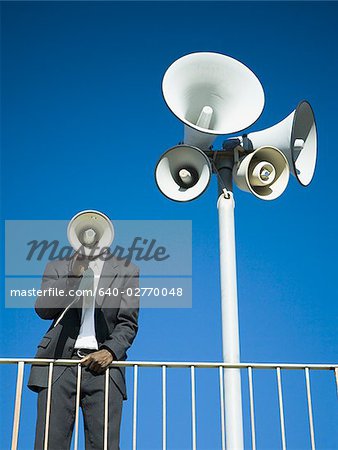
pixel 90 232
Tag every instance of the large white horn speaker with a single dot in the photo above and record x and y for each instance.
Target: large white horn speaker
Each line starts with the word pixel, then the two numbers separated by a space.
pixel 296 137
pixel 183 173
pixel 264 173
pixel 212 94
pixel 90 232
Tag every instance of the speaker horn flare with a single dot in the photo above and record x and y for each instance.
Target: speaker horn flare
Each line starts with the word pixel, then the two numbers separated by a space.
pixel 264 173
pixel 296 137
pixel 183 173
pixel 212 94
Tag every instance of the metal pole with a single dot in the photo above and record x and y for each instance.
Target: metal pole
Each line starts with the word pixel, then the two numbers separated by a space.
pixel 230 328
pixel 48 406
pixel 135 406
pixel 17 408
pixel 77 407
pixel 281 408
pixel 164 407
pixel 221 394
pixel 193 407
pixel 309 405
pixel 252 409
pixel 106 410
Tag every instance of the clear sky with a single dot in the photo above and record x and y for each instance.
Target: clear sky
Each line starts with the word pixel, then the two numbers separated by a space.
pixel 83 124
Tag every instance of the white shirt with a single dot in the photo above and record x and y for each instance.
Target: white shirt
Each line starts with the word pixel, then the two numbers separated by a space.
pixel 87 337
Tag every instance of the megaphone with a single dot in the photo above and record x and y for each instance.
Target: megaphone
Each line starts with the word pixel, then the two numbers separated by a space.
pixel 90 233
pixel 183 173
pixel 212 94
pixel 264 172
pixel 296 137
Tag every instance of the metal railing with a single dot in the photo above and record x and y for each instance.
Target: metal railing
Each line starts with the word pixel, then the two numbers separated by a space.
pixel 249 367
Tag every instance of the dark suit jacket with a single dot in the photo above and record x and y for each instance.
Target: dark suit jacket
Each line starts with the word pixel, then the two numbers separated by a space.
pixel 116 318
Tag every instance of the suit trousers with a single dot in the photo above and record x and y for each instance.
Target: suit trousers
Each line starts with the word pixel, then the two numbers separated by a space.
pixel 62 413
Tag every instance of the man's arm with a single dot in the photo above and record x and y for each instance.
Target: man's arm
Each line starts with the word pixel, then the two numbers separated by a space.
pixel 51 304
pixel 126 328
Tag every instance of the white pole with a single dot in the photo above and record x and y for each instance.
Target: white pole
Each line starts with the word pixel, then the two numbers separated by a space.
pixel 230 332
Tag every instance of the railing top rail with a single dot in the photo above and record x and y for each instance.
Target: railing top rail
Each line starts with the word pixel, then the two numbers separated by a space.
pixel 178 364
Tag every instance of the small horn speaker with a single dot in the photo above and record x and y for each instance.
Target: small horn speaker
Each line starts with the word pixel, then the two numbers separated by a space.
pixel 90 232
pixel 183 173
pixel 296 137
pixel 264 173
pixel 212 94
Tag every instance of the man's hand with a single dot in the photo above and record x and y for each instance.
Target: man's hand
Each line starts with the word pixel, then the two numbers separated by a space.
pixel 98 361
pixel 79 264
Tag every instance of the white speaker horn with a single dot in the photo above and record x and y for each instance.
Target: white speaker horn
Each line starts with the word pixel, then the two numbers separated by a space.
pixel 264 172
pixel 296 137
pixel 212 94
pixel 90 232
pixel 183 173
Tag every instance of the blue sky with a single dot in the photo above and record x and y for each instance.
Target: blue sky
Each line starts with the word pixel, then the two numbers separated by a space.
pixel 83 124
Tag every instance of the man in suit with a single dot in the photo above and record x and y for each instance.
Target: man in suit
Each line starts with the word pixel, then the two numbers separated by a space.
pixel 94 329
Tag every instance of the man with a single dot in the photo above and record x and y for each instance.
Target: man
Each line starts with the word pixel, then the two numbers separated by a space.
pixel 94 329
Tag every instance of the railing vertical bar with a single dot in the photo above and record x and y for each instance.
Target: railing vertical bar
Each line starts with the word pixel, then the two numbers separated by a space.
pixel 309 405
pixel 164 407
pixel 135 405
pixel 252 409
pixel 336 377
pixel 48 407
pixel 193 407
pixel 281 408
pixel 77 407
pixel 17 407
pixel 106 411
pixel 221 394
